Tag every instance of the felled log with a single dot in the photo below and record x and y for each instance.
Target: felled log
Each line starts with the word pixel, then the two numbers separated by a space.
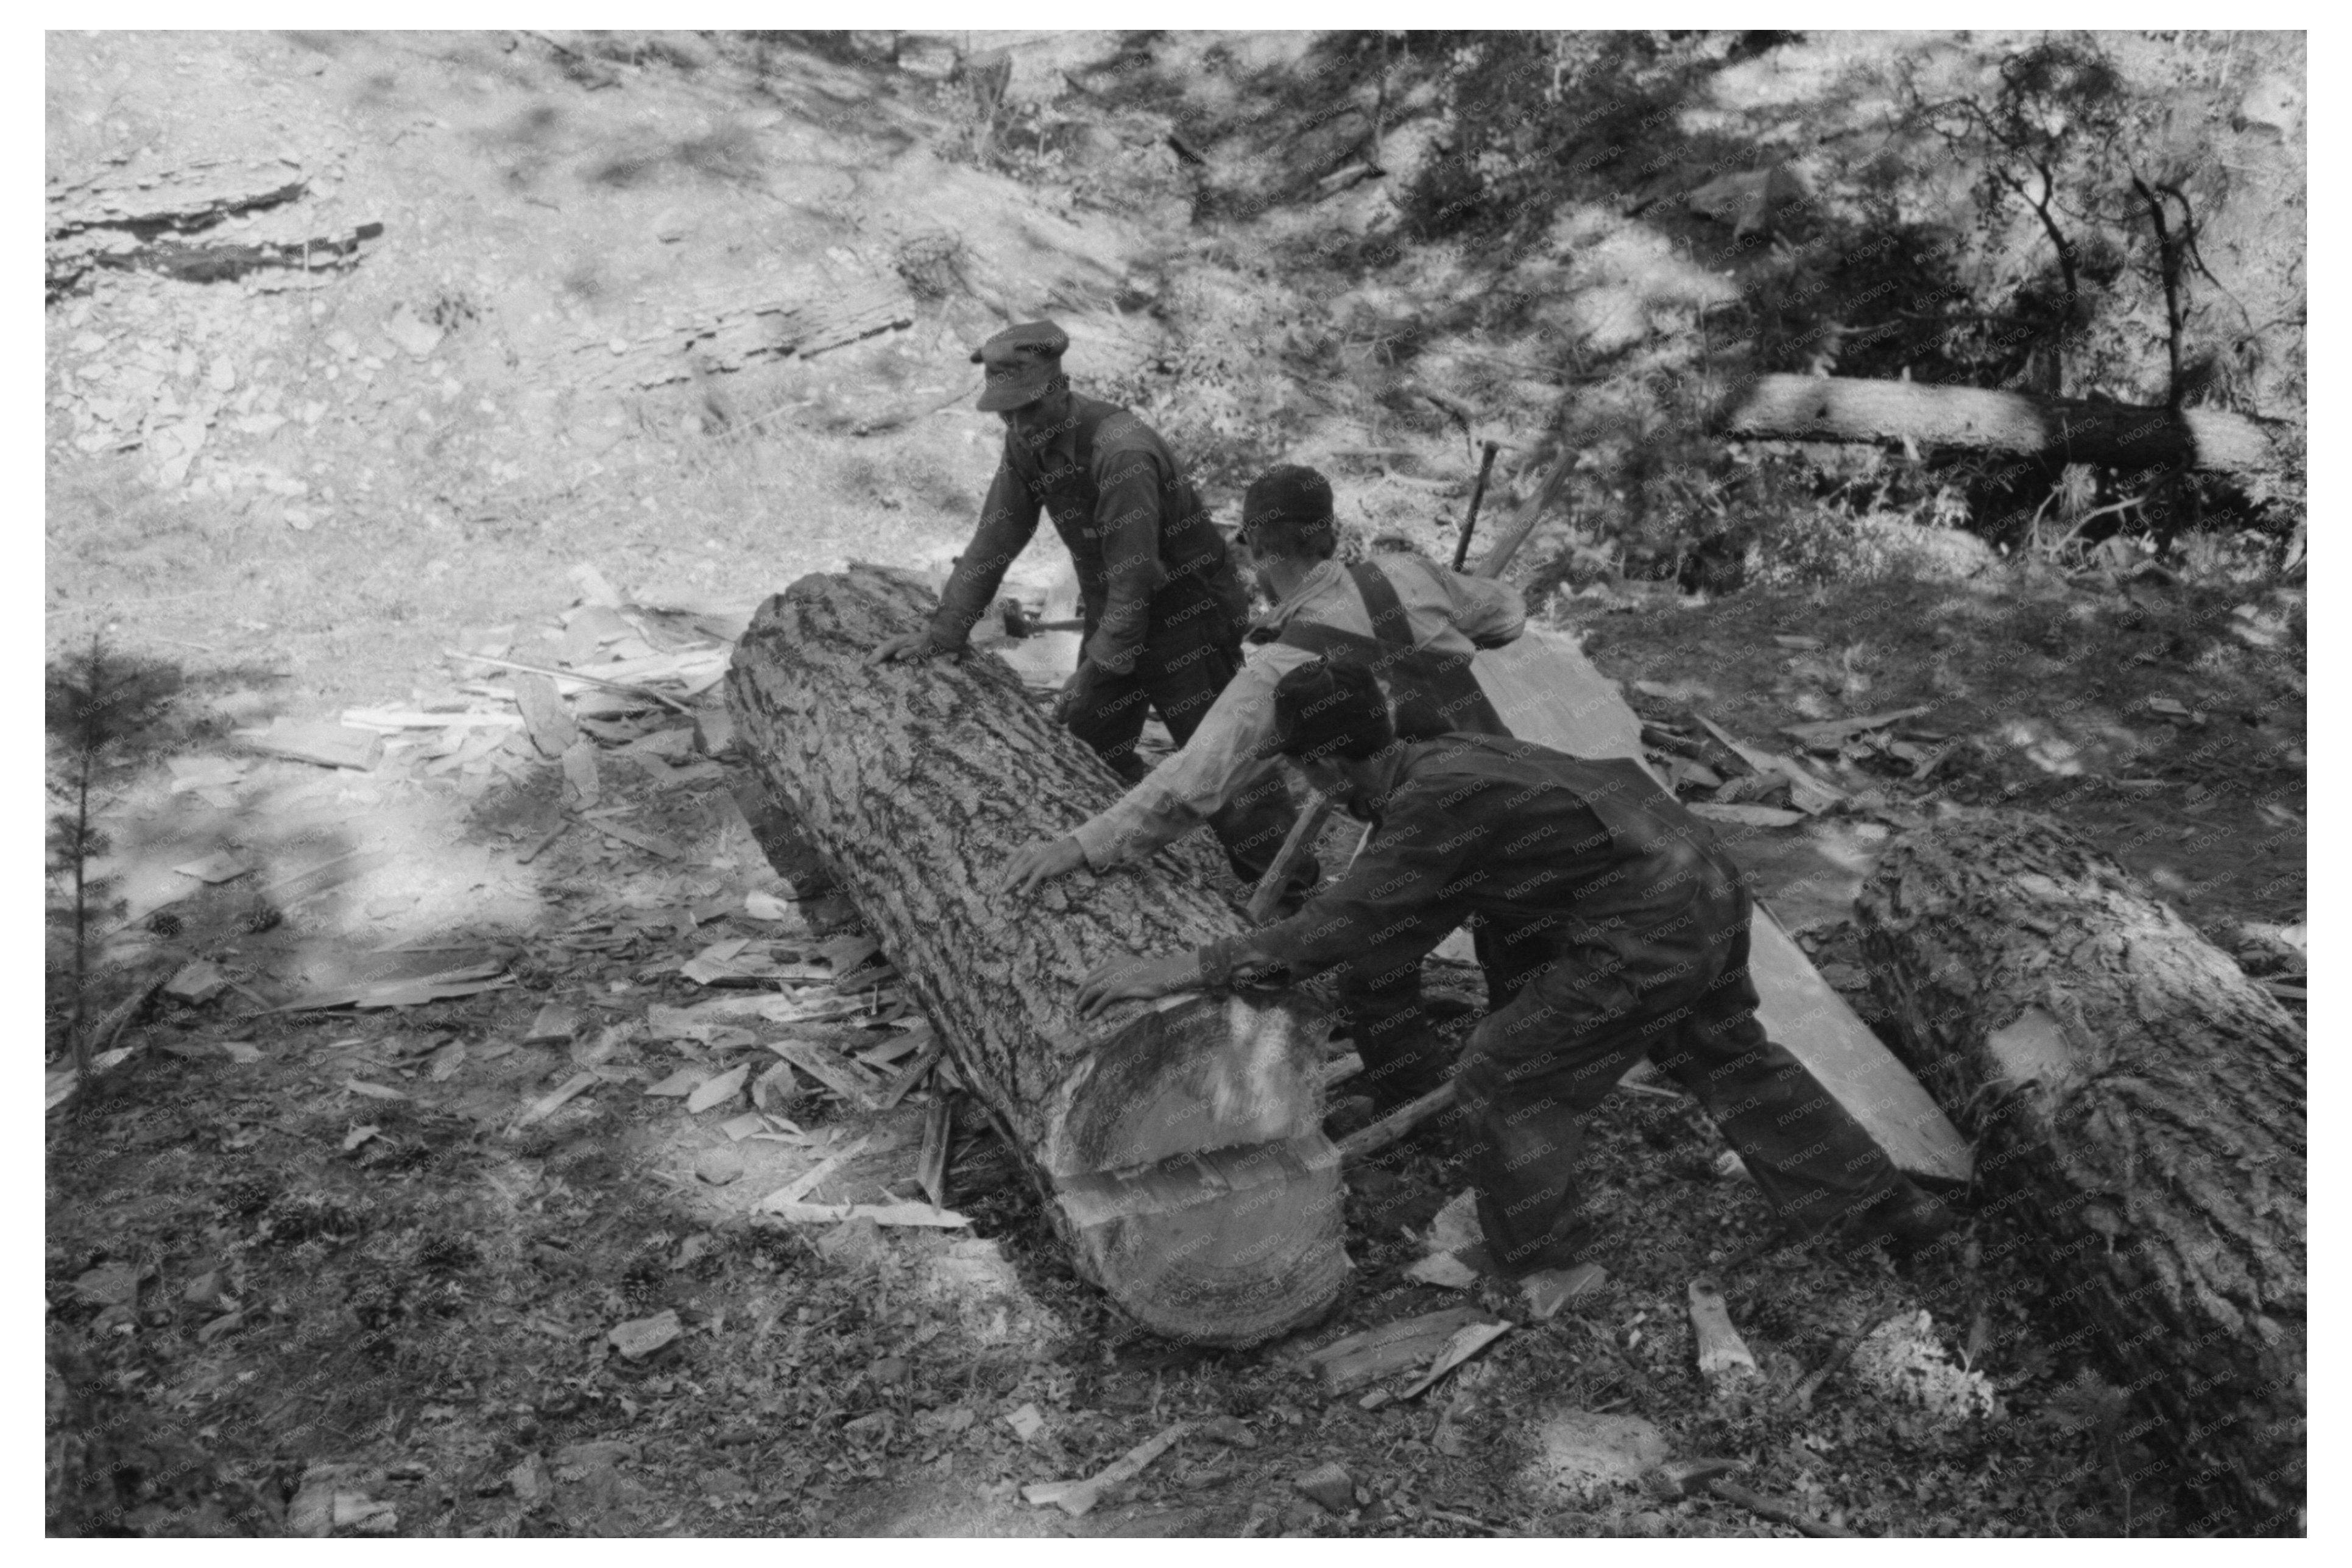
pixel 1178 1146
pixel 2139 1107
pixel 1977 419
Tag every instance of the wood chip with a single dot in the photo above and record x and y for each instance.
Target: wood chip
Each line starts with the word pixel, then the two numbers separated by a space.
pixel 774 1088
pixel 682 1082
pixel 582 782
pixel 761 906
pixel 328 746
pixel 1830 731
pixel 438 988
pixel 1467 1341
pixel 652 844
pixel 1350 1363
pixel 1724 1358
pixel 196 983
pixel 1329 1486
pixel 894 1049
pixel 1078 1497
pixel 1744 814
pixel 1445 1269
pixel 408 719
pixel 551 729
pixel 913 1073
pixel 801 1185
pixel 552 1024
pixel 548 1105
pixel 1547 1291
pixel 850 1082
pixel 717 1091
pixel 214 868
pixel 1806 792
pixel 846 952
pixel 714 733
pixel 931 1161
pixel 923 1214
pixel 640 1337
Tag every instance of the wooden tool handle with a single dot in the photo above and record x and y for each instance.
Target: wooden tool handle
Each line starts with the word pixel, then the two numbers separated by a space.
pixel 1303 832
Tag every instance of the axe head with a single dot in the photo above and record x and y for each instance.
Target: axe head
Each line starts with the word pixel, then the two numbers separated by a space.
pixel 1687 1478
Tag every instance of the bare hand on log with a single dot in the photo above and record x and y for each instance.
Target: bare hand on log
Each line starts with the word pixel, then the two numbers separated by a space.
pixel 1039 862
pixel 913 645
pixel 1074 690
pixel 1135 980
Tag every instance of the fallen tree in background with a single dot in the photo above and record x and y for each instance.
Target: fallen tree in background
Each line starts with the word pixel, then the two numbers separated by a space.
pixel 1178 1146
pixel 1976 419
pixel 2140 1109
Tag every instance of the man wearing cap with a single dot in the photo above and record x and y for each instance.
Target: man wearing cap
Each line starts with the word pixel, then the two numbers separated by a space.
pixel 1418 625
pixel 1164 610
pixel 1618 929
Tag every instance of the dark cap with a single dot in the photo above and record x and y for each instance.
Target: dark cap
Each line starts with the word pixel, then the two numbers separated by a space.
pixel 1291 493
pixel 1025 362
pixel 1329 709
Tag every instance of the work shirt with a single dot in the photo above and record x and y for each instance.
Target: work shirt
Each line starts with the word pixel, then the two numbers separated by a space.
pixel 1590 857
pixel 1148 557
pixel 1446 612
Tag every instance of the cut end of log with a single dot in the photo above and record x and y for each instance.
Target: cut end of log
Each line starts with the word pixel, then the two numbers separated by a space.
pixel 1190 1162
pixel 1206 1074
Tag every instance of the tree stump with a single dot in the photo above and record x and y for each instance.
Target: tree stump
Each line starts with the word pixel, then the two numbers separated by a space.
pixel 2138 1108
pixel 1179 1146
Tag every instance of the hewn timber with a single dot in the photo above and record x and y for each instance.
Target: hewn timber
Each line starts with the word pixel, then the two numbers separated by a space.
pixel 1547 691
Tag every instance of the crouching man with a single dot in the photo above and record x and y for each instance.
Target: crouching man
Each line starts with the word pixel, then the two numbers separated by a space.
pixel 1613 924
pixel 1415 622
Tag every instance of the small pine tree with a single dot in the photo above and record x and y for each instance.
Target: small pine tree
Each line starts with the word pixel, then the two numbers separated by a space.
pixel 98 702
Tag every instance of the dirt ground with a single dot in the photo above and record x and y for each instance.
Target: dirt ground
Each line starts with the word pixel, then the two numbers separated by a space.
pixel 317 1270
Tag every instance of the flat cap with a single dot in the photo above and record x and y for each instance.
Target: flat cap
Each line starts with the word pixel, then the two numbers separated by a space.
pixel 1330 708
pixel 1023 363
pixel 1291 492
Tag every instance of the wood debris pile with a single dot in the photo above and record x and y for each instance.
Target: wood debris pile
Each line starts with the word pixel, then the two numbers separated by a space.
pixel 1727 780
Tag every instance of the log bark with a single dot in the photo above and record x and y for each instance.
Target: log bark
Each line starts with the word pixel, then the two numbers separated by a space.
pixel 1972 418
pixel 2138 1106
pixel 1178 1146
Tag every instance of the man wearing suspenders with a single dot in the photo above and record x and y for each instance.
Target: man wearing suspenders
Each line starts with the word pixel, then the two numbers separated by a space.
pixel 1417 625
pixel 1164 610
pixel 1619 932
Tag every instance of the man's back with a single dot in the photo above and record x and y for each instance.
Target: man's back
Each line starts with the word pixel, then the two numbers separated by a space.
pixel 1443 611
